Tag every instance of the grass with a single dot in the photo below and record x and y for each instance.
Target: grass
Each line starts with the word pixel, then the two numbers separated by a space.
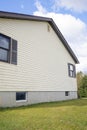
pixel 66 115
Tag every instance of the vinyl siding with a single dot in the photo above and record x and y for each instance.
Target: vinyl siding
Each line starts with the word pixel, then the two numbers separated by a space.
pixel 42 59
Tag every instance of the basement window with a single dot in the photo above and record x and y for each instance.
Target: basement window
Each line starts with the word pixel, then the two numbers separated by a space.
pixel 8 49
pixel 66 93
pixel 20 96
pixel 71 70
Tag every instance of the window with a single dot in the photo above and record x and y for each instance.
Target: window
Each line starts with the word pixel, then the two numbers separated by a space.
pixel 8 49
pixel 4 48
pixel 66 93
pixel 71 70
pixel 20 96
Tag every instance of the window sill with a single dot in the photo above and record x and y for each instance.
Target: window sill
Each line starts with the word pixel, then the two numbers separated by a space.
pixel 21 101
pixel 4 61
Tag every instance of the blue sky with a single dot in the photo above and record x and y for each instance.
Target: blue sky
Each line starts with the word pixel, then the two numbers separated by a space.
pixel 28 7
pixel 69 15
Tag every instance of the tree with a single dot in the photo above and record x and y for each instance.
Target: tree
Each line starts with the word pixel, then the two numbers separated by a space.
pixel 79 78
pixel 82 84
pixel 83 87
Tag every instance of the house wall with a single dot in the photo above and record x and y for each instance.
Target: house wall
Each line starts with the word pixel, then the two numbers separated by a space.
pixel 42 59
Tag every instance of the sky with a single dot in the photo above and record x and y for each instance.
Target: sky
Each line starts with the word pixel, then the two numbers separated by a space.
pixel 69 15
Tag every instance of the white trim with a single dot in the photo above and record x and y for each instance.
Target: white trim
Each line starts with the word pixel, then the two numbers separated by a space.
pixel 22 100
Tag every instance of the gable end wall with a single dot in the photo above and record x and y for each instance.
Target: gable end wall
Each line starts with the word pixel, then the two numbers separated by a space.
pixel 42 59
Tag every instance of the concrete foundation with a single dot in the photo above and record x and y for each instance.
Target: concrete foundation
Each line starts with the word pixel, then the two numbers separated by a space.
pixel 8 99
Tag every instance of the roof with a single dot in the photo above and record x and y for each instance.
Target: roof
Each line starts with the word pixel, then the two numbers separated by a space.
pixel 10 15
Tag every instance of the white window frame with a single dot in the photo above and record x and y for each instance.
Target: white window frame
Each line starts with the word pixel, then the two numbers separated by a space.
pixel 26 96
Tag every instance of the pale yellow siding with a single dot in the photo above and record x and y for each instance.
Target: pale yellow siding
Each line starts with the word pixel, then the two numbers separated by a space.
pixel 42 59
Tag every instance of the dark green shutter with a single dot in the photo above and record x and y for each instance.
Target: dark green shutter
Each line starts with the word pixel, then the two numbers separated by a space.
pixel 68 69
pixel 74 69
pixel 14 52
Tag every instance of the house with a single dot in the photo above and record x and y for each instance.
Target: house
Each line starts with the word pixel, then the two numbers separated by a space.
pixel 36 62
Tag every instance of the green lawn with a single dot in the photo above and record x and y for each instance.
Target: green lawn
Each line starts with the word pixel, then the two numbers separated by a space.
pixel 67 115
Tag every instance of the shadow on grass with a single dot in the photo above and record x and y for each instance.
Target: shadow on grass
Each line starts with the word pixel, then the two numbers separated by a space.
pixel 75 102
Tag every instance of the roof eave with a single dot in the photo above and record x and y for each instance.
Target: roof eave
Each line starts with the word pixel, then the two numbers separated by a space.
pixel 11 15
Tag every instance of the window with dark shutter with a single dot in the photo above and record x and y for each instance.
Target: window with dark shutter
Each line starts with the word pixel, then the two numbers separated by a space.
pixel 71 70
pixel 14 52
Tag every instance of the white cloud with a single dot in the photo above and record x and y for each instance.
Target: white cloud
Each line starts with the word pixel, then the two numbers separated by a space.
pixel 40 7
pixel 73 5
pixel 73 29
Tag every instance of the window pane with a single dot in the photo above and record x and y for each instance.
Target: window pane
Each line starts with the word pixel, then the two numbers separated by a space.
pixel 20 96
pixel 71 73
pixel 71 67
pixel 4 42
pixel 66 93
pixel 3 55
